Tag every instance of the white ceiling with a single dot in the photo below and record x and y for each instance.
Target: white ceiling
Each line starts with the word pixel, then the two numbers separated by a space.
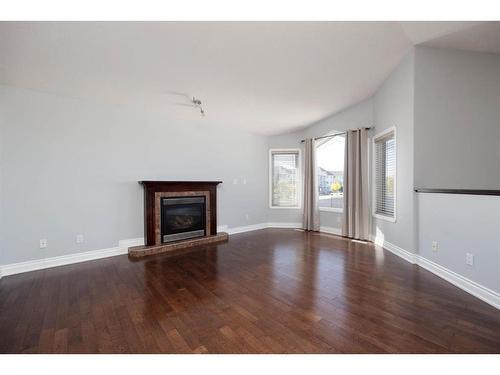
pixel 264 77
pixel 483 37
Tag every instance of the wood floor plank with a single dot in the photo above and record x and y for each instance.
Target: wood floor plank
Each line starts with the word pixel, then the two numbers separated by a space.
pixel 267 291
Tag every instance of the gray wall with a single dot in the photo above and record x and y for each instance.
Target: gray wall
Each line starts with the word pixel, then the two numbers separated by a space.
pixel 71 166
pixel 393 106
pixel 457 119
pixel 357 116
pixel 462 224
pixel 457 145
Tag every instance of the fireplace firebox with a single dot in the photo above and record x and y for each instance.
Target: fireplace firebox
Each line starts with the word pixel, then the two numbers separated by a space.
pixel 182 218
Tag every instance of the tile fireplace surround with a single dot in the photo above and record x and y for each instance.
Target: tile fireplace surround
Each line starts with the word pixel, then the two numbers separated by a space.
pixel 154 191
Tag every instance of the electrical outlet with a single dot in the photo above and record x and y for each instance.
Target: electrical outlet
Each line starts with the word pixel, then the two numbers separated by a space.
pixel 434 246
pixel 469 259
pixel 43 243
pixel 79 238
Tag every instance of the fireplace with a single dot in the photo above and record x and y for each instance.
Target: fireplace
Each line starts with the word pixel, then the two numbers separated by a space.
pixel 182 218
pixel 178 215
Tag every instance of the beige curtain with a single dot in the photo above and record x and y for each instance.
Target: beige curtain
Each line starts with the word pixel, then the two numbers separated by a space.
pixel 310 220
pixel 356 207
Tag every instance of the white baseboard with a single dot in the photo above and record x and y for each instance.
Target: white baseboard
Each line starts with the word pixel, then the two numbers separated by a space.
pixel 122 248
pixel 405 254
pixel 246 228
pixel 331 230
pixel 477 290
pixel 38 264
pixel 249 228
pixel 284 225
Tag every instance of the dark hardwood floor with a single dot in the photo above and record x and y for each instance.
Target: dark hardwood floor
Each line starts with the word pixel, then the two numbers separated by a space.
pixel 268 291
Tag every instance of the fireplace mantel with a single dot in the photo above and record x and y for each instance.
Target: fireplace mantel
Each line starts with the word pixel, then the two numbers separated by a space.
pixel 152 189
pixel 151 183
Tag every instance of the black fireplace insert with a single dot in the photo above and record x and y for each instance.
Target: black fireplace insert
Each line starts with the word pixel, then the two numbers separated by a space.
pixel 182 218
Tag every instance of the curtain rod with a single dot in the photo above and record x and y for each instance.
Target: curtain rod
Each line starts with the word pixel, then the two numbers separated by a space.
pixel 334 135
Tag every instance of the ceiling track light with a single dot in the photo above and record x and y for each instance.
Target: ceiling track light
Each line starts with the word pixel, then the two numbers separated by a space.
pixel 197 104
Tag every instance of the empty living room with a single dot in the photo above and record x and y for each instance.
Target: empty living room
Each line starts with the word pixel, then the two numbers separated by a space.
pixel 222 185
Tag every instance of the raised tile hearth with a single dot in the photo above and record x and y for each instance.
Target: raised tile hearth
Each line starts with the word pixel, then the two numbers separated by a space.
pixel 177 215
pixel 140 251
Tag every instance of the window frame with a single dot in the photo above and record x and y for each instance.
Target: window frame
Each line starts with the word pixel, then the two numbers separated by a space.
pixel 332 209
pixel 298 151
pixel 376 137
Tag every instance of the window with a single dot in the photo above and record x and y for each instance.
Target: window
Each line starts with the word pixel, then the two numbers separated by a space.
pixel 284 176
pixel 330 172
pixel 385 175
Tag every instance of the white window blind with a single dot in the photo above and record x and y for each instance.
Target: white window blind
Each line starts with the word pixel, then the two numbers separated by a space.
pixel 385 175
pixel 284 178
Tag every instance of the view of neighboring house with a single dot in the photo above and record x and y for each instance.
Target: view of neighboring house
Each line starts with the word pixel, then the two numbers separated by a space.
pixel 331 187
pixel 330 181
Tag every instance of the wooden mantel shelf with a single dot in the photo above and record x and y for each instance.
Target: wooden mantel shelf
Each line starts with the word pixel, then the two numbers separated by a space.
pixel 147 182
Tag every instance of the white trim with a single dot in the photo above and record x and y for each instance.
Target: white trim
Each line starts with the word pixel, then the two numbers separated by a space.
pixel 285 207
pixel 249 228
pixel 331 209
pixel 285 225
pixel 246 228
pixel 392 129
pixel 39 264
pixel 122 248
pixel 406 255
pixel 331 230
pixel 299 177
pixel 386 218
pixel 282 225
pixel 477 290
